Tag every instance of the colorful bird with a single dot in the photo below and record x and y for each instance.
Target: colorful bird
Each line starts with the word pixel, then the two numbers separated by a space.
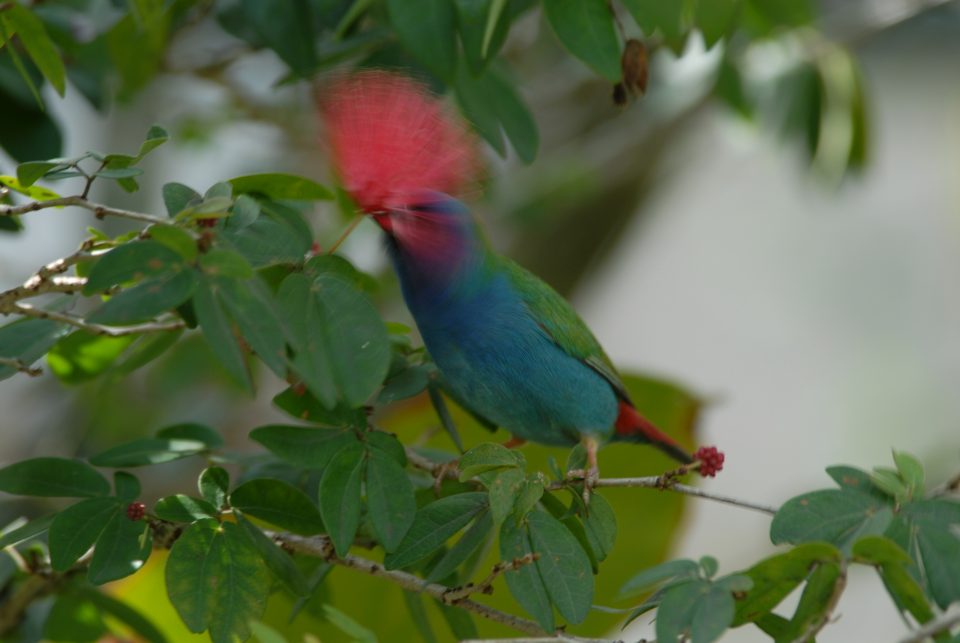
pixel 506 344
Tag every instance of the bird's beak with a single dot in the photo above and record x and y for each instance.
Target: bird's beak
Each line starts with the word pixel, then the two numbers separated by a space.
pixel 383 220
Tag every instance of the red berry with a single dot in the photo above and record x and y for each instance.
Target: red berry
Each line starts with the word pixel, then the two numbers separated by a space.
pixel 711 461
pixel 136 510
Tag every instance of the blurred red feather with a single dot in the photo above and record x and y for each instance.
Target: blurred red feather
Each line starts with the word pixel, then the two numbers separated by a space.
pixel 391 139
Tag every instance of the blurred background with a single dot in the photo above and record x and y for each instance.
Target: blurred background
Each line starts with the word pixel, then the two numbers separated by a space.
pixel 793 265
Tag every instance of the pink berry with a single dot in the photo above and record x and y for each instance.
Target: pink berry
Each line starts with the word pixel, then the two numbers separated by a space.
pixel 711 461
pixel 136 511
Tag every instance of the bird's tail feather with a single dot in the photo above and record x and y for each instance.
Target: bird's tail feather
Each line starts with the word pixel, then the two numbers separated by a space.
pixel 633 427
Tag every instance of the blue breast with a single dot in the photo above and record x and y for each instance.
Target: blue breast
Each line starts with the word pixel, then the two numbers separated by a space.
pixel 496 358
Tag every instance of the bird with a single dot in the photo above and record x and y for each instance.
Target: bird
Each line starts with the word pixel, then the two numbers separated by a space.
pixel 507 346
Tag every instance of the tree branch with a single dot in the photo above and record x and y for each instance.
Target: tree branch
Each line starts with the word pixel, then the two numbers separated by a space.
pixel 322 547
pixel 942 623
pixel 21 366
pixel 97 329
pixel 98 209
pixel 455 594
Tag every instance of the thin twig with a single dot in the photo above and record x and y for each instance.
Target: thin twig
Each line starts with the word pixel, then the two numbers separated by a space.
pixel 21 366
pixel 814 628
pixel 322 547
pixel 456 594
pixel 942 623
pixel 950 486
pixel 98 209
pixel 346 233
pixel 97 329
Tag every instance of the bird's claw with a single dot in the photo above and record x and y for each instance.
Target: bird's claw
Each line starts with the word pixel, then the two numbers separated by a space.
pixel 589 477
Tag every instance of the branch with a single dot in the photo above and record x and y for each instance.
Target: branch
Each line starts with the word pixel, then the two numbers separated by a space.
pixel 942 623
pixel 485 586
pixel 21 366
pixel 321 547
pixel 97 329
pixel 950 486
pixel 99 210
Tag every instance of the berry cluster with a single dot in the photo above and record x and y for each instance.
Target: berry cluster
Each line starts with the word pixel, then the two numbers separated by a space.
pixel 136 511
pixel 711 461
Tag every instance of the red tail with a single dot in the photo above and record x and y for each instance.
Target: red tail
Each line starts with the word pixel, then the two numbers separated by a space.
pixel 633 427
pixel 391 139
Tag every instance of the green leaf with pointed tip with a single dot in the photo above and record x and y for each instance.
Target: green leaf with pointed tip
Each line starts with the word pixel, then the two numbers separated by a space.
pixel 278 503
pixel 182 508
pixel 889 481
pixel 483 27
pixel 525 582
pixel 26 531
pixel 816 600
pixel 668 572
pixel 433 525
pixel 30 172
pixel 563 566
pixel 468 543
pixel 252 307
pixel 775 577
pixel 133 260
pixel 911 471
pixel 53 477
pixel 678 604
pixel 302 446
pixel 122 548
pixel 126 486
pixel 388 444
pixel 487 456
pixel 280 562
pixel 35 39
pixel 340 496
pixel 192 431
pixel 213 485
pixel 664 16
pixel 147 299
pixel 891 562
pixel 280 186
pixel 216 579
pixel 585 27
pixel 712 614
pixel 218 332
pixel 144 350
pixel 75 529
pixel 832 515
pixel 390 500
pixel 492 104
pixel 600 524
pixel 854 479
pixel 145 451
pixel 177 197
pixel 503 487
pixel 304 406
pixel 716 19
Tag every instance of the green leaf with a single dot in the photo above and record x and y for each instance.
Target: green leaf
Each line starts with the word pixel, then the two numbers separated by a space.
pixel 890 482
pixel 252 307
pixel 468 543
pixel 144 451
pixel 503 487
pixel 286 27
pixel 677 607
pixel 664 16
pixel 123 613
pixel 280 562
pixel 280 186
pixel 119 173
pixel 134 260
pixel 775 577
pixel 216 579
pixel 487 456
pixel 563 565
pixel 390 500
pixel 831 515
pixel 35 39
pixel 30 172
pixel 217 330
pixel 16 535
pixel 854 479
pixel 877 550
pixel 410 381
pixel 303 446
pixel 348 626
pixel 712 614
pixel 220 262
pixel 891 562
pixel 600 524
pixel 340 497
pixel 82 356
pixel 342 349
pixel 127 486
pixel 278 503
pixel 144 350
pixel 716 19
pixel 156 136
pixel 911 471
pixel 672 570
pixel 427 29
pixel 182 508
pixel 192 431
pixel 815 602
pixel 585 27
pixel 418 614
pixel 299 403
pixel 933 526
pixel 75 529
pixel 245 211
pixel 492 104
pixel 147 299
pixel 53 477
pixel 709 566
pixel 28 340
pixel 483 26
pixel 433 525
pixel 177 197
pixel 122 548
pixel 34 192
pixel 73 619
pixel 525 582
pixel 213 485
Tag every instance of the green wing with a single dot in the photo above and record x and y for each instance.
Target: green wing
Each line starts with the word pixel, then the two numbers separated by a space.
pixel 562 323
